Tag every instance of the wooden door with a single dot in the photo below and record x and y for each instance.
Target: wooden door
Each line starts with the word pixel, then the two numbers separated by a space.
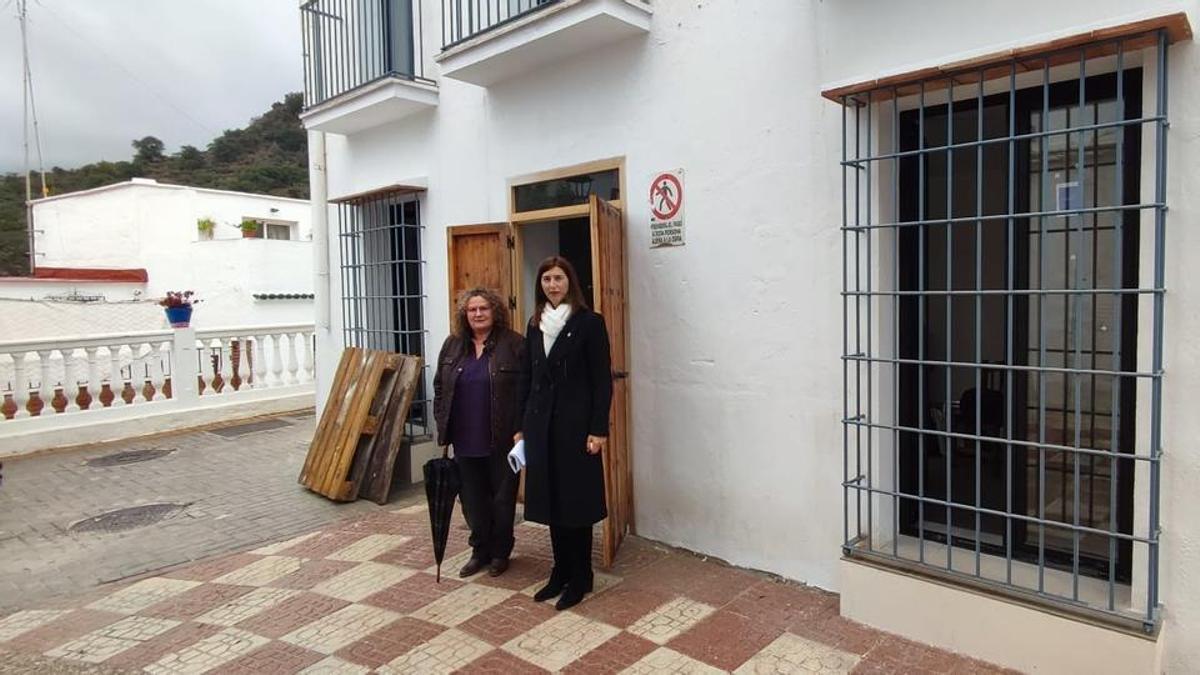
pixel 608 265
pixel 481 255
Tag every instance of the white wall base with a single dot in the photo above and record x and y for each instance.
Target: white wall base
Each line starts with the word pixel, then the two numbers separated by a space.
pixel 991 629
pixel 33 434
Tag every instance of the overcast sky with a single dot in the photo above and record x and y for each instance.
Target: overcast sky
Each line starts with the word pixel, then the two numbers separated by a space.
pixel 108 71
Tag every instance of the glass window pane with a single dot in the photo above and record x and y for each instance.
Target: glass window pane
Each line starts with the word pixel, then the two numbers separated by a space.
pixel 568 191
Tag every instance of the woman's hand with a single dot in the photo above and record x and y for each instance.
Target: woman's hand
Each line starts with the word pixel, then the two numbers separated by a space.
pixel 596 444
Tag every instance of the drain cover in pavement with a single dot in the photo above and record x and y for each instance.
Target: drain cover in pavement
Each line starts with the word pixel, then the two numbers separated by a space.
pixel 130 457
pixel 240 429
pixel 128 518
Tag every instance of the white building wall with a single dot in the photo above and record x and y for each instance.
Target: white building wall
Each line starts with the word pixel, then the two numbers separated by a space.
pixel 735 338
pixel 142 224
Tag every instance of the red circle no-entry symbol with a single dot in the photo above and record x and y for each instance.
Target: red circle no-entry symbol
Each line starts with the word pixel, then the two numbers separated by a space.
pixel 666 196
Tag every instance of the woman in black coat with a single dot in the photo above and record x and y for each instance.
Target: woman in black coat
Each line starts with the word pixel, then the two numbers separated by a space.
pixel 567 387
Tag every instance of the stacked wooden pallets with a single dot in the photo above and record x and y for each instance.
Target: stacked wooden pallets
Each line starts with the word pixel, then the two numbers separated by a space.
pixel 353 451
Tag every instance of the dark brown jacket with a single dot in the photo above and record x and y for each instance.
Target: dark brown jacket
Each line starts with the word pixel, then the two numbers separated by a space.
pixel 507 356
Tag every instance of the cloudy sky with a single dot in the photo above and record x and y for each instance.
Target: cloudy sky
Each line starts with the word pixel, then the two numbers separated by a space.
pixel 108 71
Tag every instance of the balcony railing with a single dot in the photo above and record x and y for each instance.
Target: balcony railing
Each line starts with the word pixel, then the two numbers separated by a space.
pixel 464 19
pixel 158 379
pixel 352 43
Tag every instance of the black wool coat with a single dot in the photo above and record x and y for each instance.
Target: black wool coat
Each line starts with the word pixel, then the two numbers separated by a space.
pixel 567 394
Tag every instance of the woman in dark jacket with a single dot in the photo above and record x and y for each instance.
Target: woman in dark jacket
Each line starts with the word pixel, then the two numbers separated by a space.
pixel 478 412
pixel 567 387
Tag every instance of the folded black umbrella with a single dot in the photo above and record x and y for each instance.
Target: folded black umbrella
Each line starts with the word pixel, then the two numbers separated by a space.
pixel 442 484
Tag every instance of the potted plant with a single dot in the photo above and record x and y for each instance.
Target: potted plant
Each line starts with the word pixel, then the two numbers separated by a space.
pixel 179 307
pixel 206 226
pixel 251 229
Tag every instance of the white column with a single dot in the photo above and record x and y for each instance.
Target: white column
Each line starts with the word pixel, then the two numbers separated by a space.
pixel 260 362
pixel 184 366
pixel 276 361
pixel 46 386
pixel 70 381
pixel 309 374
pixel 293 363
pixel 225 349
pixel 93 378
pixel 155 370
pixel 243 362
pixel 20 385
pixel 166 367
pixel 116 381
pixel 137 371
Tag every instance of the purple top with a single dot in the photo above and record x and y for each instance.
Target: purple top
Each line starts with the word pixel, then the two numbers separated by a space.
pixel 471 410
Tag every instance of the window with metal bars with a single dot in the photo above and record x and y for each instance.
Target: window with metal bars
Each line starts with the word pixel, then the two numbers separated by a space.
pixel 382 297
pixel 1003 327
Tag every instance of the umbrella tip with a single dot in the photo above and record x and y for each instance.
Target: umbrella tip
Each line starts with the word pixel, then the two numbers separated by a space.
pixel 439 574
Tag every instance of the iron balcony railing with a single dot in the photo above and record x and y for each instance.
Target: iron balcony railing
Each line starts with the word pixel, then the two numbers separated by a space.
pixel 352 43
pixel 464 19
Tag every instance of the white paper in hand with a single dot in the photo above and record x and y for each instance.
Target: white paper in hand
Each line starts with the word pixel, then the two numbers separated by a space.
pixel 516 456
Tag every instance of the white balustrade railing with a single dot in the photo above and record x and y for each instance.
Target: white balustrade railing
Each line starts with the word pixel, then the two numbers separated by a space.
pixel 237 359
pixel 78 375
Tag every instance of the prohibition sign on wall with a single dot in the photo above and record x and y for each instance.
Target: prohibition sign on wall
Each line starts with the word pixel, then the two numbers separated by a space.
pixel 666 196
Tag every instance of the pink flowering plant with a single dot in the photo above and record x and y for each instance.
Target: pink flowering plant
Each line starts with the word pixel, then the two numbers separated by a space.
pixel 179 299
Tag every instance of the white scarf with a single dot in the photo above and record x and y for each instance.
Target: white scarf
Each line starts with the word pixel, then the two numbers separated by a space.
pixel 552 323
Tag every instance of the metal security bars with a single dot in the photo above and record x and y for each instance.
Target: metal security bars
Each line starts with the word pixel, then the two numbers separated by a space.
pixel 352 43
pixel 464 19
pixel 1002 377
pixel 382 298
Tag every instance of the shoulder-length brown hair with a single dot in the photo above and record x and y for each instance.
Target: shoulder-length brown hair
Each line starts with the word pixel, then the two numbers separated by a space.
pixel 499 311
pixel 574 289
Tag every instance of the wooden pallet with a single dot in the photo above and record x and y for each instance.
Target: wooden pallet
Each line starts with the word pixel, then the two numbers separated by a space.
pixel 380 455
pixel 351 417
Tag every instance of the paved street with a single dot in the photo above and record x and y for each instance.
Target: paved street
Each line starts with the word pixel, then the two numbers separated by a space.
pixel 360 596
pixel 209 492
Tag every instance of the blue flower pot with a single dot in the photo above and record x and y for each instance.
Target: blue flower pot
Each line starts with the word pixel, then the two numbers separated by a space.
pixel 179 317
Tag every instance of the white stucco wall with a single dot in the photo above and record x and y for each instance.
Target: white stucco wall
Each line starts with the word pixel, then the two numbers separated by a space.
pixel 142 224
pixel 735 338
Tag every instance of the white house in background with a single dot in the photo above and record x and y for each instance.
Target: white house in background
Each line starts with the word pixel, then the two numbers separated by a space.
pixel 86 354
pixel 908 343
pixel 131 242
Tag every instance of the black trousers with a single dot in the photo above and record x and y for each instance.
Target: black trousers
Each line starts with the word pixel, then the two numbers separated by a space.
pixel 572 548
pixel 489 501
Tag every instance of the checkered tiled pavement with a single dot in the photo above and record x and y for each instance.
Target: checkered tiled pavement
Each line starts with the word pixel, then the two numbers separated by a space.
pixel 360 597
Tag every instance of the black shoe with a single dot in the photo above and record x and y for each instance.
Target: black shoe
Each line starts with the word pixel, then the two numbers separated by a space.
pixel 499 566
pixel 471 568
pixel 552 589
pixel 571 596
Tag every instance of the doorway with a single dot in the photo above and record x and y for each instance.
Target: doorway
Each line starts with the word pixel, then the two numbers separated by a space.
pixel 574 212
pixel 570 238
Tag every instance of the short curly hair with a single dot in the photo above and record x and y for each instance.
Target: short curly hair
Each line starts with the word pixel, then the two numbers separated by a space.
pixel 499 311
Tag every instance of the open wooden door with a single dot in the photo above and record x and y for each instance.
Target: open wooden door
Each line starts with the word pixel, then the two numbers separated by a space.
pixel 481 255
pixel 608 264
